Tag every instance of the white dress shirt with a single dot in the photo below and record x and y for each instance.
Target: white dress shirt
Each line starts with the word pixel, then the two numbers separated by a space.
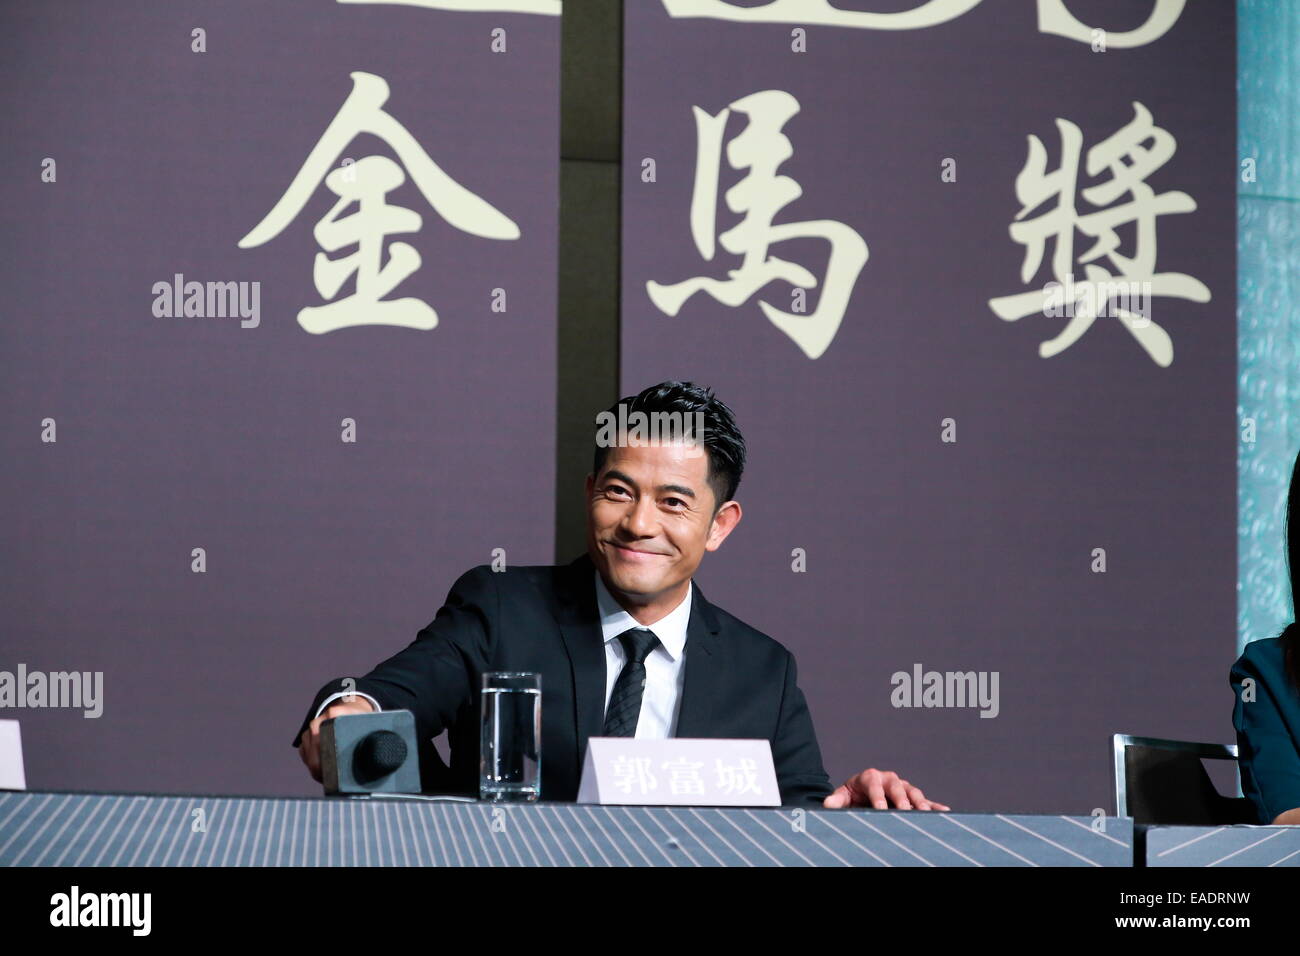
pixel 664 666
pixel 664 669
pixel 356 693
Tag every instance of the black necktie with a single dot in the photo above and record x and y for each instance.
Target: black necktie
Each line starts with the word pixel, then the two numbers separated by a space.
pixel 625 703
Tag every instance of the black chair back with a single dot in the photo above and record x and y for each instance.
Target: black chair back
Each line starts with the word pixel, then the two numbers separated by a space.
pixel 1164 782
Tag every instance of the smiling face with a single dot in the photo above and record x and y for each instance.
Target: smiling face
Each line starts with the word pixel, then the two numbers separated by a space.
pixel 650 518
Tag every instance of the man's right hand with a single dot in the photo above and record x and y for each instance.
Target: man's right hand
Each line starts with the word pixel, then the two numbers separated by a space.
pixel 309 742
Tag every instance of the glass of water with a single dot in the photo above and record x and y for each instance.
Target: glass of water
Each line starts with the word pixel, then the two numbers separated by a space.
pixel 510 755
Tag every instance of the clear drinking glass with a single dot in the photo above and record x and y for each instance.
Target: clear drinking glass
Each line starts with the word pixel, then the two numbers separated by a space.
pixel 510 756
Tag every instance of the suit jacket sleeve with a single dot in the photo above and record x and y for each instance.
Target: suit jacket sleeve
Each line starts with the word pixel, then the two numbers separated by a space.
pixel 800 775
pixel 1266 745
pixel 435 675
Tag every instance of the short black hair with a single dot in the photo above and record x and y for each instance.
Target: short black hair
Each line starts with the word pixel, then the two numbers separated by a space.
pixel 723 441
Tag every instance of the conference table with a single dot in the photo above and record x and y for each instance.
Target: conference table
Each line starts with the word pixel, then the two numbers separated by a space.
pixel 1222 846
pixel 61 828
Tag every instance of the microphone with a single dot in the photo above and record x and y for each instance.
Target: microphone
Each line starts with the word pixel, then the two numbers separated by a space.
pixel 370 753
pixel 378 754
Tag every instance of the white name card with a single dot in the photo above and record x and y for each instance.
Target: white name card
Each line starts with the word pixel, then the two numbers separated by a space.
pixel 679 771
pixel 11 757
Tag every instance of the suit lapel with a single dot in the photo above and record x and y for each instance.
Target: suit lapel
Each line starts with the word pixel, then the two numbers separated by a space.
pixel 704 662
pixel 579 619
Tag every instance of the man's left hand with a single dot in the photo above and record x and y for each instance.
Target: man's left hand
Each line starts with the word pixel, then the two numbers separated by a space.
pixel 880 789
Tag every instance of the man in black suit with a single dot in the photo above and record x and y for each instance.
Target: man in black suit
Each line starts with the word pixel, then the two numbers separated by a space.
pixel 625 642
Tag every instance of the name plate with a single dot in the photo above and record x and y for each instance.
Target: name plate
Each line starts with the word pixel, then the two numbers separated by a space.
pixel 679 771
pixel 11 757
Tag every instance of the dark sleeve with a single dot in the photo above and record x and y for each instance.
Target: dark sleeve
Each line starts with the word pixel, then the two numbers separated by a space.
pixel 800 775
pixel 1266 746
pixel 435 675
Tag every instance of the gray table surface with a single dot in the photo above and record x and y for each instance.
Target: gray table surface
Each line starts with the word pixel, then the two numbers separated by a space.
pixel 1223 846
pixel 86 829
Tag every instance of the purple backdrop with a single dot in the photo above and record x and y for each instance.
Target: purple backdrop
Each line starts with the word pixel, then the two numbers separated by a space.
pixel 975 555
pixel 177 433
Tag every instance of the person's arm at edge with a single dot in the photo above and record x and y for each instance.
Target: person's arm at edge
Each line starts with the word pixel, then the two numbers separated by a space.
pixel 1264 743
pixel 800 774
